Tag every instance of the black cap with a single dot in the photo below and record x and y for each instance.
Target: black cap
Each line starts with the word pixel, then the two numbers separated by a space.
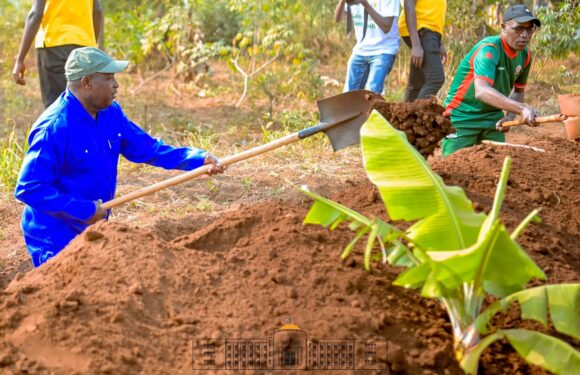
pixel 521 14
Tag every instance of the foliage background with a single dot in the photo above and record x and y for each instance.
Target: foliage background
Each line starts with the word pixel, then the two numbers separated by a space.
pixel 289 52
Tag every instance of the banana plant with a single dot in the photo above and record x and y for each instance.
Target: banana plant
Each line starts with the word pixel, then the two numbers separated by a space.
pixel 451 252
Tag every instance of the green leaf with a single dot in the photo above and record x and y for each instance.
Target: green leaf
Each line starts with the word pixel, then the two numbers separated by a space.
pixel 545 351
pixel 536 348
pixel 564 309
pixel 413 277
pixel 532 216
pixel 326 212
pixel 503 266
pixel 370 244
pixel 398 255
pixel 470 361
pixel 561 300
pixel 348 249
pixel 412 191
pixel 331 214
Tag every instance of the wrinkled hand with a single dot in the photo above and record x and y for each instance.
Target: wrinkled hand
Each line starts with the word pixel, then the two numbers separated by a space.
pixel 18 73
pixel 444 55
pixel 509 117
pixel 100 213
pixel 529 116
pixel 216 166
pixel 417 54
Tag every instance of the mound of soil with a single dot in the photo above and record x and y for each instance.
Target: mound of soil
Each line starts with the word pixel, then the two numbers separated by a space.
pixel 422 121
pixel 121 299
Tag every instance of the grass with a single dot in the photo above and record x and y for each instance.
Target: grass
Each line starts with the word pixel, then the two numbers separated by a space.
pixel 12 152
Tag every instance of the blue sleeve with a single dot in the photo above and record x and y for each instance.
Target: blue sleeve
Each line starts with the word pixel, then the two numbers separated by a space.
pixel 37 184
pixel 139 147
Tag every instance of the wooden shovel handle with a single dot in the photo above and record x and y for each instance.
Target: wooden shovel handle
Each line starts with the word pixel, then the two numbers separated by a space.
pixel 201 171
pixel 554 118
pixel 291 138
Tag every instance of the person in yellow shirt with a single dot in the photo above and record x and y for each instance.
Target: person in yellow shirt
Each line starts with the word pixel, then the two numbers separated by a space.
pixel 421 27
pixel 60 26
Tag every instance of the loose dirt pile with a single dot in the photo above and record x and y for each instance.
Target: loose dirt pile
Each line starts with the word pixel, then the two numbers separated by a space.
pixel 121 299
pixel 422 121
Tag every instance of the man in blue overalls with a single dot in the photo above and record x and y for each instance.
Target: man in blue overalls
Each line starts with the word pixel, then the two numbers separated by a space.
pixel 71 164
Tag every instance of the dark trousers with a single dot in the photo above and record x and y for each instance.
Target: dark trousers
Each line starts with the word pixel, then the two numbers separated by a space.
pixel 426 81
pixel 51 62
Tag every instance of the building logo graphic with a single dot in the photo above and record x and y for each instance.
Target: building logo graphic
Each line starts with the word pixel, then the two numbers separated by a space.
pixel 290 348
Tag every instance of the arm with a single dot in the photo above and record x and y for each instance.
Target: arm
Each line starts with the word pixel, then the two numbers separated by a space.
pixel 514 103
pixel 31 27
pixel 97 19
pixel 339 11
pixel 444 54
pixel 36 184
pixel 139 147
pixel 384 23
pixel 411 21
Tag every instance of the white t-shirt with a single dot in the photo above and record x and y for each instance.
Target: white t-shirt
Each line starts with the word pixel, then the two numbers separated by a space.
pixel 376 41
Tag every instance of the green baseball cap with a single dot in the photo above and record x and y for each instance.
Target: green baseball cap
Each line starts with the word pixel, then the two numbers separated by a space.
pixel 85 61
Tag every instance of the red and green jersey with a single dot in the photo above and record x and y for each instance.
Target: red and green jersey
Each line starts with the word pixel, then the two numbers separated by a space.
pixel 494 61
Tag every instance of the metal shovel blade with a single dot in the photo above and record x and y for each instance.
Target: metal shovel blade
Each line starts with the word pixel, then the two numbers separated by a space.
pixel 350 110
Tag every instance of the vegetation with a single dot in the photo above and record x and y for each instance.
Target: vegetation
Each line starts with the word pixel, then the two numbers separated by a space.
pixel 11 155
pixel 454 254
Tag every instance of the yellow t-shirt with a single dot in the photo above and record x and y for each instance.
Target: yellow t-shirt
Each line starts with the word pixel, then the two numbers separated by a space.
pixel 430 14
pixel 67 22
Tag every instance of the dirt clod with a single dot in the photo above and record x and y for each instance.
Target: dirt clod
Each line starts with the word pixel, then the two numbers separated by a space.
pixel 422 121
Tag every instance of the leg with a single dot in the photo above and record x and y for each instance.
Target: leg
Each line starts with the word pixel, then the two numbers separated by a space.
pixel 491 135
pixel 432 67
pixel 51 63
pixel 380 66
pixel 462 138
pixel 39 252
pixel 357 73
pixel 416 79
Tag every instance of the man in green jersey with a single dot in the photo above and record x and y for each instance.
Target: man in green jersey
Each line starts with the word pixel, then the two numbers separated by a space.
pixel 492 79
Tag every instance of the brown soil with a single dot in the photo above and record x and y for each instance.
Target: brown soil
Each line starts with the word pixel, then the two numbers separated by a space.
pixel 422 121
pixel 123 299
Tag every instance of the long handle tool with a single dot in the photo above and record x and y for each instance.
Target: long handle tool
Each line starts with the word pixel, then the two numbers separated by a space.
pixel 341 118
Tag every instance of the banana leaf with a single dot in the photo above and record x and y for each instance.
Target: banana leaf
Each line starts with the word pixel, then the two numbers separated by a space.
pixel 497 260
pixel 561 301
pixel 330 214
pixel 412 191
pixel 536 348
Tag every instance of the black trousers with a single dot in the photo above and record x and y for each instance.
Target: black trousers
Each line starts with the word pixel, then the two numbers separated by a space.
pixel 51 62
pixel 426 81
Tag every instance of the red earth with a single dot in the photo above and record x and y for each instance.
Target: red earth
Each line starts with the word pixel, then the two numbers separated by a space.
pixel 127 299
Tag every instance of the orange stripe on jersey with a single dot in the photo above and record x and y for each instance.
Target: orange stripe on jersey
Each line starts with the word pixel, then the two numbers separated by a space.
pixel 486 79
pixel 508 50
pixel 467 81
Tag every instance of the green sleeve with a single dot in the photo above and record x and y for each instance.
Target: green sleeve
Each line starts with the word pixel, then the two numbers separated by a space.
pixel 485 60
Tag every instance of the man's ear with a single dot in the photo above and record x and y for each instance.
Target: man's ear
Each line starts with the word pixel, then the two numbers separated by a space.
pixel 86 82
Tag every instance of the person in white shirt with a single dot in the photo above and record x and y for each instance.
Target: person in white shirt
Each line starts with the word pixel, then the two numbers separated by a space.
pixel 376 31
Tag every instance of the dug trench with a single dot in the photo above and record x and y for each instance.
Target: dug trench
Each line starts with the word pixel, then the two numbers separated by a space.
pixel 124 299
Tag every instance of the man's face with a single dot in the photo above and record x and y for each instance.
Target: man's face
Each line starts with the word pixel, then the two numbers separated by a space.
pixel 103 90
pixel 518 35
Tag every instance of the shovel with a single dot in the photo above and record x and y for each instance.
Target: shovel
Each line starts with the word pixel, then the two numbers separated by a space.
pixel 341 118
pixel 540 120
